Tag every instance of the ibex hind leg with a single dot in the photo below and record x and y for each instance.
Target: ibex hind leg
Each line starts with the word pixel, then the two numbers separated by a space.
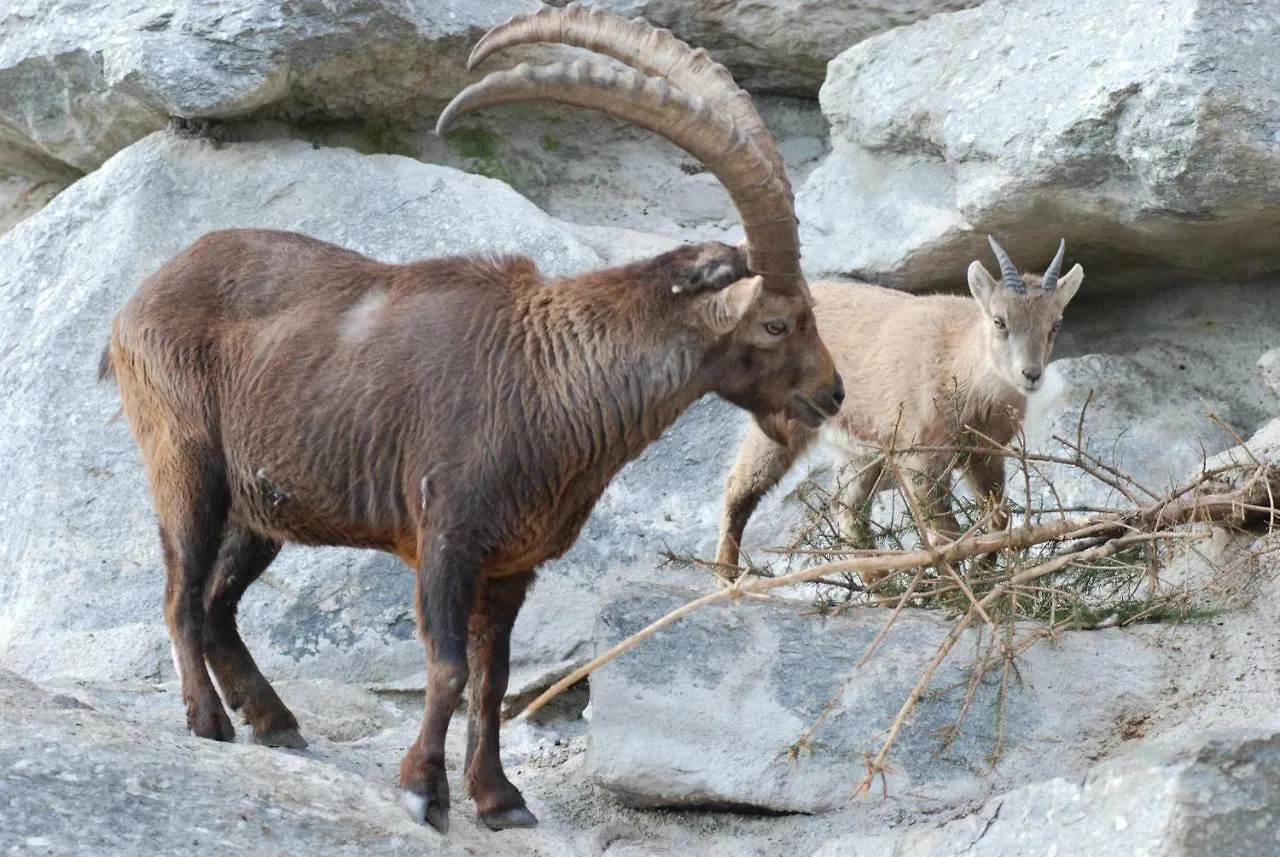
pixel 189 485
pixel 243 556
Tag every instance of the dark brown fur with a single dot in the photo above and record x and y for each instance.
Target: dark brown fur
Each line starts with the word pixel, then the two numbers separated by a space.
pixel 463 414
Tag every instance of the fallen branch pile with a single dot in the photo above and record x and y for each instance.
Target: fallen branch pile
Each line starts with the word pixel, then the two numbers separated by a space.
pixel 1233 497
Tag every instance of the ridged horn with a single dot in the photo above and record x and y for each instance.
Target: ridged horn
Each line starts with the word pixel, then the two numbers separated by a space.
pixel 773 240
pixel 1008 271
pixel 1051 273
pixel 639 44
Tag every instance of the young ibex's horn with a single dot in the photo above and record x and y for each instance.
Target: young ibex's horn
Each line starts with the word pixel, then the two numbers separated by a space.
pixel 1055 268
pixel 1008 271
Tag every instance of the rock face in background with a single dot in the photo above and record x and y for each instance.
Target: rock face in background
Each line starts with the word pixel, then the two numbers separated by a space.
pixel 1143 132
pixel 779 45
pixel 703 714
pixel 82 79
pixel 1155 429
pixel 20 198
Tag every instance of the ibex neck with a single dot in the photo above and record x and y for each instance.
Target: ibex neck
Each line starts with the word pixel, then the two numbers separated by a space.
pixel 619 378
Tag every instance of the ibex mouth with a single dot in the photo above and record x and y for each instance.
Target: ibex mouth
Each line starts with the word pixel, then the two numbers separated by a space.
pixel 807 411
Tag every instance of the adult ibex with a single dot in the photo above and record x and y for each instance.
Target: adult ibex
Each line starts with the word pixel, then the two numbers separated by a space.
pixel 464 414
pixel 937 371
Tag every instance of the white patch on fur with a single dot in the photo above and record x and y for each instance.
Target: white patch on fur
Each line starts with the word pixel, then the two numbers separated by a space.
pixel 173 653
pixel 217 688
pixel 416 804
pixel 358 321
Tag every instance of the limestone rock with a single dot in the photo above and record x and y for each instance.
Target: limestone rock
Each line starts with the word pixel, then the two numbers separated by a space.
pixel 82 79
pixel 77 781
pixel 1143 132
pixel 1216 797
pixel 1269 364
pixel 1156 429
pixel 780 45
pixel 703 714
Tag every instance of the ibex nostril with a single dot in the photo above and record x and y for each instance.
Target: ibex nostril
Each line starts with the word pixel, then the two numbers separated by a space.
pixel 1032 375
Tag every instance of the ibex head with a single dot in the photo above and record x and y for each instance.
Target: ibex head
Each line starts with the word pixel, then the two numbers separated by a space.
pixel 765 354
pixel 1023 314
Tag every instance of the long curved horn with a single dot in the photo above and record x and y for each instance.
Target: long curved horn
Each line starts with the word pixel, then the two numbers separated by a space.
pixel 1008 271
pixel 652 103
pixel 1050 279
pixel 770 225
pixel 653 50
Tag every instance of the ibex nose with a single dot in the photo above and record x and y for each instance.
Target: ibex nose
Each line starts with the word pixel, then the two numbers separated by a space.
pixel 833 397
pixel 1032 375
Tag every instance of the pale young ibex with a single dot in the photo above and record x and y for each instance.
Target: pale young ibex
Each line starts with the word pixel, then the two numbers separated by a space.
pixel 463 414
pixel 938 371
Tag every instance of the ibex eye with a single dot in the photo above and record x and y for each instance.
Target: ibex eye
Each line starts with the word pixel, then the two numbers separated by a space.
pixel 999 322
pixel 775 328
pixel 1057 324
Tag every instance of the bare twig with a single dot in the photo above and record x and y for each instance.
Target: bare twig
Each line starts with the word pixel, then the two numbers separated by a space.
pixel 1242 506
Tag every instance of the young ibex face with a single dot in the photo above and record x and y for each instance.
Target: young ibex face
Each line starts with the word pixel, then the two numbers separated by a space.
pixel 1024 313
pixel 770 359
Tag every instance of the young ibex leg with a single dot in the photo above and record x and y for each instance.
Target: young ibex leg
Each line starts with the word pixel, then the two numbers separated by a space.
pixel 192 499
pixel 860 478
pixel 445 594
pixel 985 475
pixel 932 488
pixel 499 804
pixel 761 464
pixel 243 557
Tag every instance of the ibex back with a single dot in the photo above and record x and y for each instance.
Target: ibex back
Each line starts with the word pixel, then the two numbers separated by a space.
pixel 463 414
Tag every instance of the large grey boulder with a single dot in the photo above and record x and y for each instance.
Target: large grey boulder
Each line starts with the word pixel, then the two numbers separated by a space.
pixel 1144 132
pixel 79 781
pixel 82 79
pixel 1156 429
pixel 703 713
pixel 780 45
pixel 1217 796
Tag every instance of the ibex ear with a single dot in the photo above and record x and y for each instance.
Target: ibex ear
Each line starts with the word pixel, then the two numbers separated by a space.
pixel 981 283
pixel 723 310
pixel 1068 283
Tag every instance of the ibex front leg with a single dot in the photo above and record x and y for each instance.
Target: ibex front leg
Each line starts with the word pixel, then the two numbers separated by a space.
pixel 445 589
pixel 499 804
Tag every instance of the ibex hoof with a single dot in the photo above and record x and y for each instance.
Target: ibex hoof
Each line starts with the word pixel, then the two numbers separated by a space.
pixel 426 810
pixel 212 723
pixel 290 738
pixel 503 819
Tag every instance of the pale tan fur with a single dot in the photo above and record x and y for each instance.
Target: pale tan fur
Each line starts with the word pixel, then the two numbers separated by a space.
pixel 919 371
